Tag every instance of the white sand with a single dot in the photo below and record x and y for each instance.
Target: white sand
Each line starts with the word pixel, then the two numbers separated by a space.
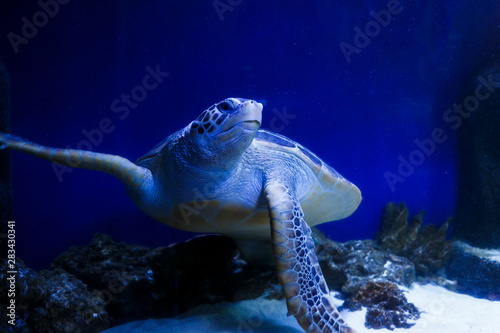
pixel 443 311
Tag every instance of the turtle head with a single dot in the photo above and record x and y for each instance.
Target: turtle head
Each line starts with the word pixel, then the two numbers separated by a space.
pixel 225 130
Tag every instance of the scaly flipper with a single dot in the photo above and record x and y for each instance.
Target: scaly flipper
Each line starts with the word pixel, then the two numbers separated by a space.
pixel 299 273
pixel 129 173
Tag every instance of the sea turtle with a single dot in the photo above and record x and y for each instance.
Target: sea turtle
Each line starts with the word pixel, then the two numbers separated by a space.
pixel 222 174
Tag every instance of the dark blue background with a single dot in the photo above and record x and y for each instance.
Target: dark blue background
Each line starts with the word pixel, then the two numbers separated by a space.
pixel 359 116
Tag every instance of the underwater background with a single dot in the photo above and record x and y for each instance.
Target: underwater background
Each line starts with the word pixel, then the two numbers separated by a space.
pixel 364 104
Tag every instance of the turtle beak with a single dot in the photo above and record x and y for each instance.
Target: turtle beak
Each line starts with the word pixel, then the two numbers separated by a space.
pixel 247 117
pixel 255 109
pixel 248 112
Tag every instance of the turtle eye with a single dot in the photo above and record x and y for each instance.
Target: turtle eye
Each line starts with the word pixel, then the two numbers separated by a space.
pixel 225 106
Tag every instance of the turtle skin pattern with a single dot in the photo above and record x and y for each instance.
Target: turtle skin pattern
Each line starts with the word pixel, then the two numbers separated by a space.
pixel 299 273
pixel 129 173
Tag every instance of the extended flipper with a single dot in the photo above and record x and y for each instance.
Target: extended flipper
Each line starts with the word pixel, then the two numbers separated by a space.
pixel 129 173
pixel 299 273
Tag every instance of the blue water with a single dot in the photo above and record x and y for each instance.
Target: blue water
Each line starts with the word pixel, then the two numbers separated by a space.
pixel 358 112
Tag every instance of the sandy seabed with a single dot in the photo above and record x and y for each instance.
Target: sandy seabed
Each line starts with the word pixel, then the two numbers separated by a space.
pixel 442 311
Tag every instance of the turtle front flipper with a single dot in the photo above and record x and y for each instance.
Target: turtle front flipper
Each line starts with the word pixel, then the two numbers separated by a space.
pixel 299 273
pixel 129 173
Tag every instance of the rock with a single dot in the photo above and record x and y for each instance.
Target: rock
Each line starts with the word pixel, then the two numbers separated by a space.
pixel 129 282
pixel 69 307
pixel 476 270
pixel 332 257
pixel 208 269
pixel 478 174
pixel 387 306
pixel 351 265
pixel 254 282
pixel 99 263
pixel 29 289
pixel 30 286
pixel 141 282
pixel 54 301
pixel 366 262
pixel 119 271
pixel 194 272
pixel 426 246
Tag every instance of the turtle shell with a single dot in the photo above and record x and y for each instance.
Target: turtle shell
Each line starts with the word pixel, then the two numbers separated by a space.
pixel 331 197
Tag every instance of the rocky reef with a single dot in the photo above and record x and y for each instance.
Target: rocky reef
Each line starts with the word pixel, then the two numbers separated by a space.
pixel 141 282
pixel 476 271
pixel 107 283
pixel 52 301
pixel 348 266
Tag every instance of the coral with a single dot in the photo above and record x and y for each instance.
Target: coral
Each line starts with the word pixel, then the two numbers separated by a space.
pixel 387 306
pixel 426 246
